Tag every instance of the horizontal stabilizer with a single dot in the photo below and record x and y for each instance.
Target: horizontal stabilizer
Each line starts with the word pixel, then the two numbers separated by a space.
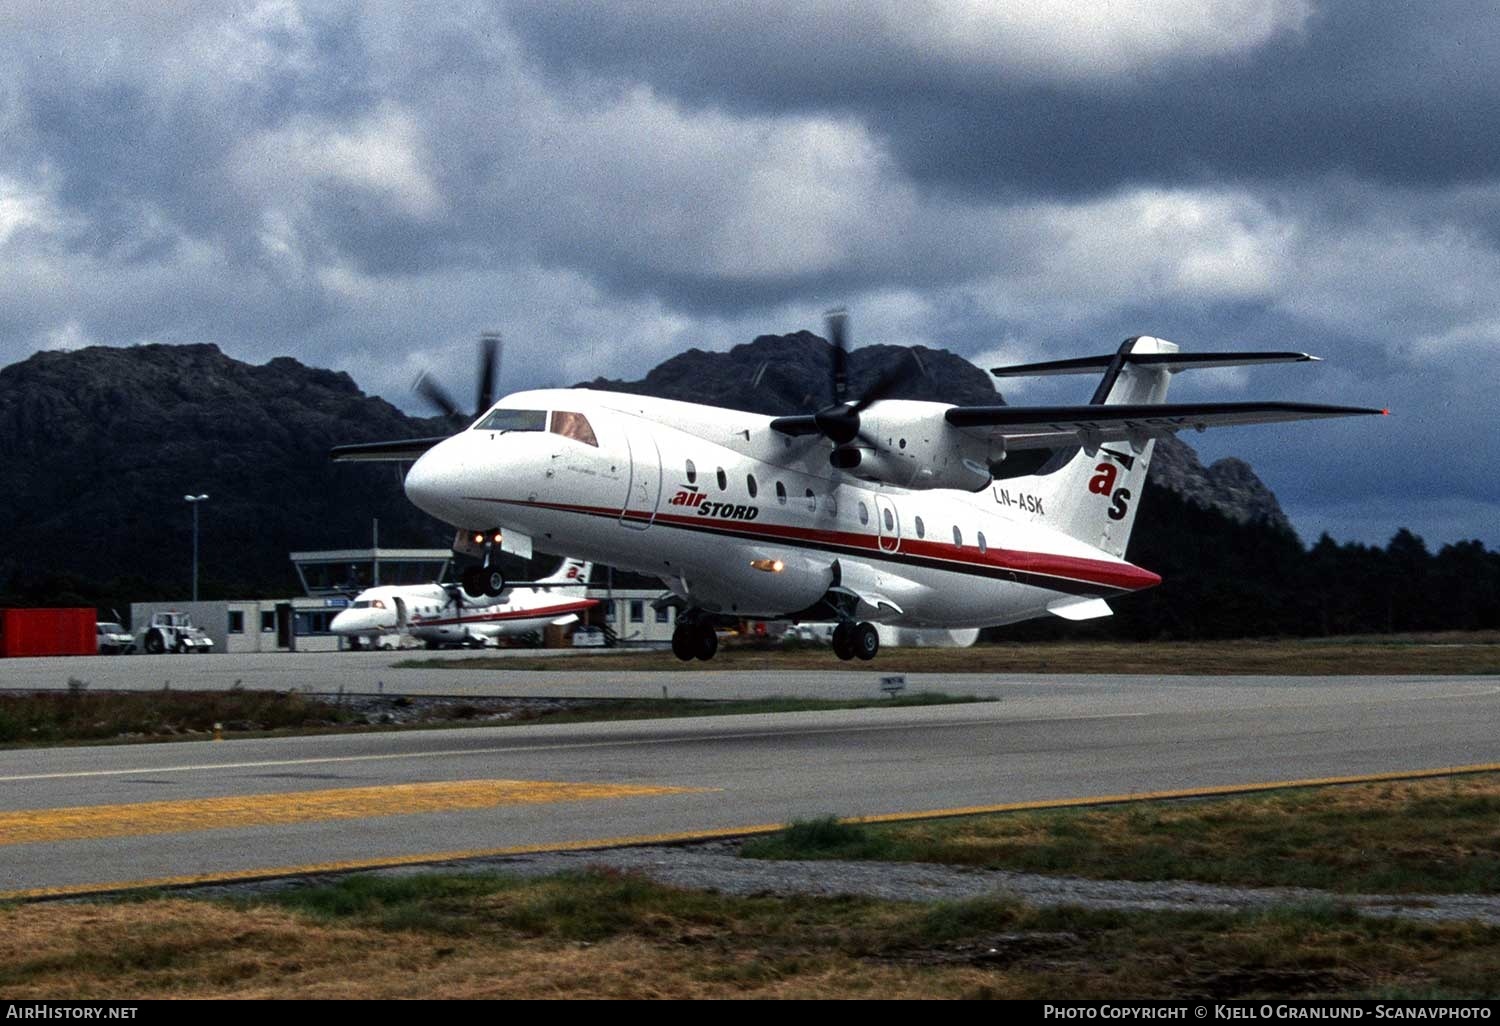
pixel 1071 608
pixel 1171 362
pixel 403 451
pixel 1040 427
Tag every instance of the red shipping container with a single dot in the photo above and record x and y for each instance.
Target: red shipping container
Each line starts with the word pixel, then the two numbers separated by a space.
pixel 45 632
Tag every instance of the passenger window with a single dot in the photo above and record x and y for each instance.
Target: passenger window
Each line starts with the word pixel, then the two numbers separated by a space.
pixel 864 514
pixel 921 529
pixel 781 493
pixel 812 501
pixel 890 521
pixel 958 536
pixel 983 548
pixel 750 484
pixel 692 473
pixel 575 426
pixel 723 481
pixel 833 504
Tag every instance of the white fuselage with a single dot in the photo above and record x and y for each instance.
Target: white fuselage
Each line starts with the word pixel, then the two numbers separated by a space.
pixel 430 612
pixel 740 520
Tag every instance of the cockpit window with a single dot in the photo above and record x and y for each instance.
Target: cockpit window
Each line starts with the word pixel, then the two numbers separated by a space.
pixel 575 426
pixel 513 420
pixel 369 604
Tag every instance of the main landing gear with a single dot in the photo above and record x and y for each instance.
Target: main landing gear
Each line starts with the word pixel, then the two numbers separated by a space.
pixel 694 641
pixel 851 640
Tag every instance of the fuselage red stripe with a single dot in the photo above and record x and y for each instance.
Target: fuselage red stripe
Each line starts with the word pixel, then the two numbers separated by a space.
pixel 937 555
pixel 540 613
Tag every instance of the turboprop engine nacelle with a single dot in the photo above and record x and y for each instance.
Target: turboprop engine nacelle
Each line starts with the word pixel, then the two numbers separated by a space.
pixel 914 447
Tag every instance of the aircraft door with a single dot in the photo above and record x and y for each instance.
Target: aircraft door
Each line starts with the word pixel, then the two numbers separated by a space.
pixel 888 524
pixel 400 614
pixel 643 494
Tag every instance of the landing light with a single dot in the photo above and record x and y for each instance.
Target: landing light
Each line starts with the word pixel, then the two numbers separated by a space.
pixel 497 538
pixel 478 539
pixel 770 566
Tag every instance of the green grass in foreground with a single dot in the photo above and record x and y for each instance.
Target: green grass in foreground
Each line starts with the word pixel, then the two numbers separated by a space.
pixel 1439 836
pixel 606 934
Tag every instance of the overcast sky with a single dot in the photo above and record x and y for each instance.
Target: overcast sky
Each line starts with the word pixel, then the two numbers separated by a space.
pixel 368 187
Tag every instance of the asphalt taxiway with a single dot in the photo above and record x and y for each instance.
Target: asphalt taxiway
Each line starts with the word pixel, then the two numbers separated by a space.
pixel 80 819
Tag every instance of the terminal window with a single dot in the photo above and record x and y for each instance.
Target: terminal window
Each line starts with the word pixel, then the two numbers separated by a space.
pixel 236 621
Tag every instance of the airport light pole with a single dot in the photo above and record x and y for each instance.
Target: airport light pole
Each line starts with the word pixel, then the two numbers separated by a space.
pixel 193 500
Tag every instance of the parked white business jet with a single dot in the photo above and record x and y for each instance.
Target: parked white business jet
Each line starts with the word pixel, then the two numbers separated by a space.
pixel 441 614
pixel 915 514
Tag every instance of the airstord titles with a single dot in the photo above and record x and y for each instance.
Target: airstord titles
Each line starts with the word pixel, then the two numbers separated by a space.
pixel 707 508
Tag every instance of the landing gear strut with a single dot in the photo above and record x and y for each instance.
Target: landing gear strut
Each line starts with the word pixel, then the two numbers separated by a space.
pixel 851 640
pixel 694 641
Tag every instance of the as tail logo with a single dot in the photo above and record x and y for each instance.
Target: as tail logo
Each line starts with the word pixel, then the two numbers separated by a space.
pixel 1103 483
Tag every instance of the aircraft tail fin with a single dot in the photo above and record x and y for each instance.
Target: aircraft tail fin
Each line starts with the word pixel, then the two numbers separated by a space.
pixel 1096 492
pixel 572 571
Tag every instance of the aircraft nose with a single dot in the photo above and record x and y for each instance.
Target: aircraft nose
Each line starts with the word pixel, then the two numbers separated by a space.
pixel 435 482
pixel 344 621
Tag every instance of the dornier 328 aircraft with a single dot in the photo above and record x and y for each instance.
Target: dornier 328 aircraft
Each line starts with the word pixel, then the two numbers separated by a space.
pixel 870 509
pixel 442 614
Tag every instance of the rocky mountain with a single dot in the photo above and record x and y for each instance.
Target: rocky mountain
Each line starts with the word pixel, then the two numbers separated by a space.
pixel 780 374
pixel 99 446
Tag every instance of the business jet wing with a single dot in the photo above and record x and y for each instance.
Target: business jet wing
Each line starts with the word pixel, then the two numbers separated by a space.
pixel 403 451
pixel 1045 427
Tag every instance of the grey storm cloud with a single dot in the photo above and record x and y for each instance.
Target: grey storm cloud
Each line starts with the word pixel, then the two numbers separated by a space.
pixel 367 187
pixel 1393 92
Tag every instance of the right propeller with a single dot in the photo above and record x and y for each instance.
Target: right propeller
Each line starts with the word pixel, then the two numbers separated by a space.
pixel 489 372
pixel 839 421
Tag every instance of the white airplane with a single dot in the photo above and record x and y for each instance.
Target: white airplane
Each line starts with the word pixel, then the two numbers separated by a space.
pixel 870 510
pixel 442 614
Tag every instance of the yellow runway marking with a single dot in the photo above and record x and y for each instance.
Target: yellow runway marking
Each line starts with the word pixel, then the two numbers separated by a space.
pixel 352 865
pixel 88 822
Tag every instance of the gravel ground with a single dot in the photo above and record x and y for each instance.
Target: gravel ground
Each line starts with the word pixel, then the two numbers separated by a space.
pixel 717 866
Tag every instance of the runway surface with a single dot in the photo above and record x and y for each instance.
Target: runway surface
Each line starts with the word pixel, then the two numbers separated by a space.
pixel 90 818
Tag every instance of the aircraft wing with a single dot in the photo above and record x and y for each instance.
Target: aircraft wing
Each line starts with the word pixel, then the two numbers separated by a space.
pixel 405 451
pixel 1045 427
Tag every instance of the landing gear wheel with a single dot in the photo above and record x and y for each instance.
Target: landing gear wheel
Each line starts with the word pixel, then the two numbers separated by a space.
pixel 473 581
pixel 866 641
pixel 494 581
pixel 683 639
pixel 843 641
pixel 705 642
pixel 154 644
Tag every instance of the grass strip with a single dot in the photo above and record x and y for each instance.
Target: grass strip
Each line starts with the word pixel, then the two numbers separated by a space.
pixel 1433 836
pixel 613 935
pixel 48 718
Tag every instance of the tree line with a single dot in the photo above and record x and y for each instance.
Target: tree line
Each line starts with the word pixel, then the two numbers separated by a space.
pixel 1223 579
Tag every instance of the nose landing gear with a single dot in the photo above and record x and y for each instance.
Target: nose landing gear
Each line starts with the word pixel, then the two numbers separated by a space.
pixel 485 580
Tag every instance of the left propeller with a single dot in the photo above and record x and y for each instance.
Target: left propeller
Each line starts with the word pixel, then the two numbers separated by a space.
pixel 489 372
pixel 839 420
